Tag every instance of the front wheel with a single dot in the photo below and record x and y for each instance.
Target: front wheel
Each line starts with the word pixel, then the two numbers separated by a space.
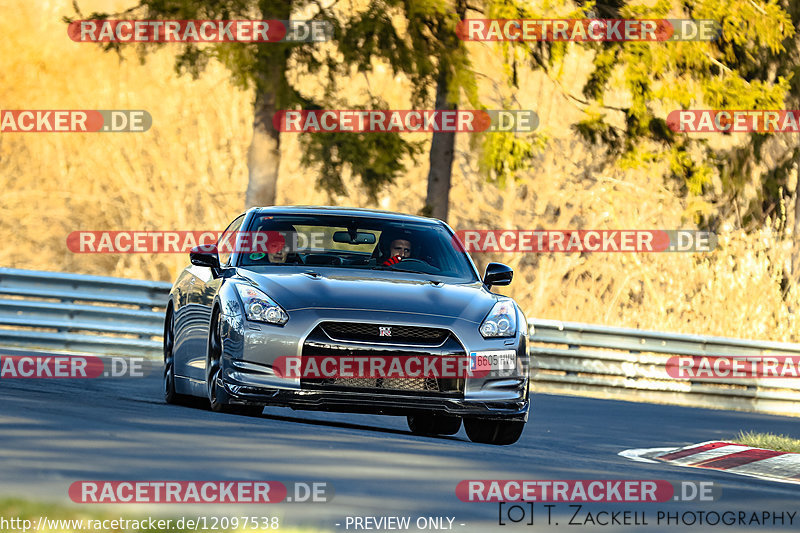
pixel 498 432
pixel 217 397
pixel 434 424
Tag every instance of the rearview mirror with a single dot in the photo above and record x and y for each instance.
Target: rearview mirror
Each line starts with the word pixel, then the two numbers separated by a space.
pixel 204 255
pixel 362 237
pixel 497 274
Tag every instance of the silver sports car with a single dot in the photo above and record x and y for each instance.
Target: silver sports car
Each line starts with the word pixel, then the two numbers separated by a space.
pixel 348 310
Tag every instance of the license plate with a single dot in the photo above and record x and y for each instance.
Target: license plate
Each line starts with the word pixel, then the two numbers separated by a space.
pixel 494 360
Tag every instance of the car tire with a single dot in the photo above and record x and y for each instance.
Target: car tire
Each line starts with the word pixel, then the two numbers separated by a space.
pixel 498 432
pixel 434 424
pixel 170 394
pixel 218 398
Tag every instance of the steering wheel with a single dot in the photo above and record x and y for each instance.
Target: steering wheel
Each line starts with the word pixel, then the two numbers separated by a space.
pixel 412 260
pixel 425 266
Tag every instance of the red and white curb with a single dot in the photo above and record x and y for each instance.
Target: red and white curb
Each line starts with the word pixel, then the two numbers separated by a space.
pixel 728 457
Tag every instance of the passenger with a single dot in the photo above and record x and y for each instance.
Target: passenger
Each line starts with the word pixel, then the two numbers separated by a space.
pixel 280 244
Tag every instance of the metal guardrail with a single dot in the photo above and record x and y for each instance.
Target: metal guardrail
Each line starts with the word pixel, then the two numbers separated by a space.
pixel 631 364
pixel 75 312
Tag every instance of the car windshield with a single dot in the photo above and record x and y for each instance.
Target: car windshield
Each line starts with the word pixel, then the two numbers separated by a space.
pixel 354 243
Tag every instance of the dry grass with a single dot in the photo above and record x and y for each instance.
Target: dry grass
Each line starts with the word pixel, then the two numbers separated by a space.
pixel 189 172
pixel 768 441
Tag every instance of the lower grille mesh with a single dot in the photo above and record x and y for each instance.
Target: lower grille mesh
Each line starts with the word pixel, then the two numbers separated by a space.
pixel 407 384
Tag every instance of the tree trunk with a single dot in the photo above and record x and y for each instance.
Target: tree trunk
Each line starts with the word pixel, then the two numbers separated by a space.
pixel 441 157
pixel 443 144
pixel 264 155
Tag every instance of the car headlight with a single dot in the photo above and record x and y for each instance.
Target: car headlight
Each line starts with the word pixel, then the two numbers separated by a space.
pixel 501 320
pixel 259 307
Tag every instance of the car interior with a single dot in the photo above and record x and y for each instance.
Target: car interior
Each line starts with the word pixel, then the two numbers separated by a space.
pixel 367 247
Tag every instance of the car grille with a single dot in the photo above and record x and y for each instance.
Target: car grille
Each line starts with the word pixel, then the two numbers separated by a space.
pixel 359 339
pixel 360 332
pixel 399 384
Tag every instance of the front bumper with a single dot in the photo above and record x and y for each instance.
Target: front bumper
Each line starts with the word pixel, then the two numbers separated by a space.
pixel 246 383
pixel 250 351
pixel 400 404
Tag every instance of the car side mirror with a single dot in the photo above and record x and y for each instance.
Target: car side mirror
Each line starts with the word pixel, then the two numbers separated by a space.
pixel 497 274
pixel 205 255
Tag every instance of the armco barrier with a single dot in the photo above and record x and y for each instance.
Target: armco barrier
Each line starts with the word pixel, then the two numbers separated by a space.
pixel 82 313
pixel 630 364
pixel 75 312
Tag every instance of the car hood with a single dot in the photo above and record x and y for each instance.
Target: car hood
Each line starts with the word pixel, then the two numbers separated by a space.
pixel 375 291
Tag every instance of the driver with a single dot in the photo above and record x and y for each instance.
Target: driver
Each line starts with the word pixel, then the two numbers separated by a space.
pixel 399 249
pixel 394 245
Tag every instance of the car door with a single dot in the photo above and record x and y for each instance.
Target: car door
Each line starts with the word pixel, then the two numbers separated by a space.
pixel 193 318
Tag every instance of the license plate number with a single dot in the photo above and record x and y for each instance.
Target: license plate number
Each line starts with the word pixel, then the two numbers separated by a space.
pixel 497 360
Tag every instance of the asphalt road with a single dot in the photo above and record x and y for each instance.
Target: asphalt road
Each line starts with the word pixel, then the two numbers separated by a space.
pixel 54 432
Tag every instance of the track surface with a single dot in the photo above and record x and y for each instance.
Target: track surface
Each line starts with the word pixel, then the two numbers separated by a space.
pixel 54 432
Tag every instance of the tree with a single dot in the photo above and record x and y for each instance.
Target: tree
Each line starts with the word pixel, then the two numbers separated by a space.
pixel 428 52
pixel 431 55
pixel 263 67
pixel 453 65
pixel 440 71
pixel 502 154
pixel 747 67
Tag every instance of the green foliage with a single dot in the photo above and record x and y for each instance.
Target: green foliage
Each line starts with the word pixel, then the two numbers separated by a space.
pixel 371 36
pixel 245 61
pixel 426 44
pixel 753 65
pixel 376 158
pixel 682 165
pixel 595 130
pixel 416 38
pixel 505 154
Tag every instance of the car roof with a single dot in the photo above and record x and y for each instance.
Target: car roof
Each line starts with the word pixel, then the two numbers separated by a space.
pixel 343 211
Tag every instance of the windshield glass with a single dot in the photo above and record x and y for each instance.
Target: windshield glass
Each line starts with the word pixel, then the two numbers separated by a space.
pixel 354 243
